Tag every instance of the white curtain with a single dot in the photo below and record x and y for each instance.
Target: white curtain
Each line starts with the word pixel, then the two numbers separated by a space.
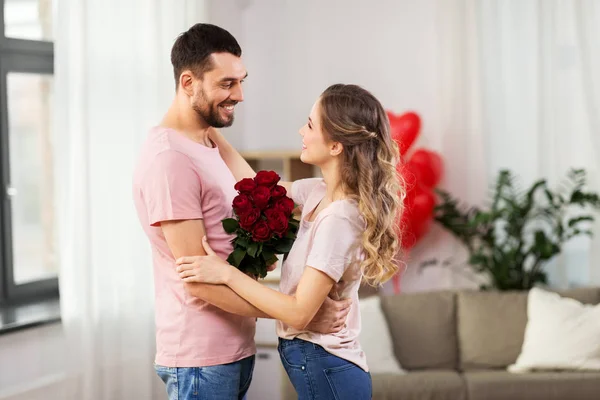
pixel 541 93
pixel 113 81
pixel 518 88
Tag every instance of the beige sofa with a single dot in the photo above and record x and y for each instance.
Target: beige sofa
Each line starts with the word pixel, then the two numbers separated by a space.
pixel 457 345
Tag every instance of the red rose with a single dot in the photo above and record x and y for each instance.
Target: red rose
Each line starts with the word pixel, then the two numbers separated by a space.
pixel 267 178
pixel 261 196
pixel 241 204
pixel 248 219
pixel 246 186
pixel 261 232
pixel 285 205
pixel 277 221
pixel 278 192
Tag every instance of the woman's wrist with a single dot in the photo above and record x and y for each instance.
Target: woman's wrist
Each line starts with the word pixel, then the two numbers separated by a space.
pixel 229 274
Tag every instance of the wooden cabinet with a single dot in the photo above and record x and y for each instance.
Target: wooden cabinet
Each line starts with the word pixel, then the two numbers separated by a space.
pixel 285 163
pixel 269 374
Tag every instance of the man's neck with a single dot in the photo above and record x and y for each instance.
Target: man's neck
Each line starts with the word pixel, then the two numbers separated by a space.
pixel 186 121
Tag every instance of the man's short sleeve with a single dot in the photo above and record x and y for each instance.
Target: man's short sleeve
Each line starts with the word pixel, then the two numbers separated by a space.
pixel 171 189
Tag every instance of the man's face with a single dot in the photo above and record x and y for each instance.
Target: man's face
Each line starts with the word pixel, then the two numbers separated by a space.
pixel 219 90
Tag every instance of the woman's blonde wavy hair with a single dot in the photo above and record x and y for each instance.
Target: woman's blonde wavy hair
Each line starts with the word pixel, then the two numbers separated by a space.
pixel 353 117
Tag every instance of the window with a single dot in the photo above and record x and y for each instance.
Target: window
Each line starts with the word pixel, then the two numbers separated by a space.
pixel 28 259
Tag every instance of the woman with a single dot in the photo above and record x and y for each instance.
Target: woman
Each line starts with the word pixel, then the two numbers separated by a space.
pixel 347 233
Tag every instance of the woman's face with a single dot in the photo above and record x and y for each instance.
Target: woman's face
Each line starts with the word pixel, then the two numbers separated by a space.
pixel 316 148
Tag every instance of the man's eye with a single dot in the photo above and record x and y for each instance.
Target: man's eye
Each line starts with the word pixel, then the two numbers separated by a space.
pixel 226 85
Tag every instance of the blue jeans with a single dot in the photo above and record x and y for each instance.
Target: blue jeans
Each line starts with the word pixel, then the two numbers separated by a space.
pixel 317 374
pixel 218 382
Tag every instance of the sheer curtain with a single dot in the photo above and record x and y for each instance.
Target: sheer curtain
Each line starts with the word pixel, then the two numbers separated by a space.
pixel 540 63
pixel 113 81
pixel 518 88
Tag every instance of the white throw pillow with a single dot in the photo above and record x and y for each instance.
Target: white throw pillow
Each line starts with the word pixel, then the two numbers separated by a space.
pixel 561 334
pixel 375 338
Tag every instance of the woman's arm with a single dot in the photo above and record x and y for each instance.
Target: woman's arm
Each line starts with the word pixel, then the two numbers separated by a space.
pixel 296 311
pixel 238 166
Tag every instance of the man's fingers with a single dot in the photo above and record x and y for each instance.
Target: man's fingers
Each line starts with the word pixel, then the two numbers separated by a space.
pixel 343 304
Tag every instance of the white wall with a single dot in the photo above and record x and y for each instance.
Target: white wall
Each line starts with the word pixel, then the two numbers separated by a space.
pixel 294 49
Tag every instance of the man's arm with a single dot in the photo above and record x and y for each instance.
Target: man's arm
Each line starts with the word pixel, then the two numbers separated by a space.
pixel 185 238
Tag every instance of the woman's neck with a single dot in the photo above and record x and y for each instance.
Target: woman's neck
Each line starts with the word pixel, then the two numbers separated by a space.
pixel 333 182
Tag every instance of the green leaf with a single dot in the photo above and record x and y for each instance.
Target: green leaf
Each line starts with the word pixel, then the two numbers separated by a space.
pixel 230 225
pixel 269 257
pixel 242 242
pixel 238 256
pixel 284 246
pixel 252 249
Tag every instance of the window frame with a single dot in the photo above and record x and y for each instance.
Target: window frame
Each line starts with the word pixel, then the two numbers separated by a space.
pixel 21 56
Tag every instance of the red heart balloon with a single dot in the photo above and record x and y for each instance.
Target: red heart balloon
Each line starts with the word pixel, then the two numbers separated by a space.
pixel 419 204
pixel 408 175
pixel 404 129
pixel 427 166
pixel 423 204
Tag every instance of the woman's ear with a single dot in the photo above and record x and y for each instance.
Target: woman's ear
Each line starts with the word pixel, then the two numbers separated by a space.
pixel 336 149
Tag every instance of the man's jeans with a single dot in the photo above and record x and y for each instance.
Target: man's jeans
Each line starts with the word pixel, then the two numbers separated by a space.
pixel 218 382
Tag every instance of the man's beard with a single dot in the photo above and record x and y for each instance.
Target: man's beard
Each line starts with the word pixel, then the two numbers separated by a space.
pixel 209 112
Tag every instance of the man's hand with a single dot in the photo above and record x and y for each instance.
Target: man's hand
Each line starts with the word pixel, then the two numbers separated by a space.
pixel 331 317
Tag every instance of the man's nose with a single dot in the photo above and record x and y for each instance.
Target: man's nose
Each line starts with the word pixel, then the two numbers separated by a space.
pixel 237 93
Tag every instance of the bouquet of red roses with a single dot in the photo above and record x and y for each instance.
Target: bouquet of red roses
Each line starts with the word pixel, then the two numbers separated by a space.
pixel 263 224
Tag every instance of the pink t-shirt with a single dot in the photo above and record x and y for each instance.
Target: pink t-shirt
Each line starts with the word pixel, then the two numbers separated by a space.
pixel 179 179
pixel 332 244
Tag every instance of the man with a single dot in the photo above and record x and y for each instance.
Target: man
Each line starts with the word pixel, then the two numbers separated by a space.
pixel 182 190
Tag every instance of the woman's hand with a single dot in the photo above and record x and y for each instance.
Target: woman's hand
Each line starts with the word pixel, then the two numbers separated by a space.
pixel 204 269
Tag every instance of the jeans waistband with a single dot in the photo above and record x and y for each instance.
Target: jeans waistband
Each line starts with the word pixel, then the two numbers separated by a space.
pixel 291 342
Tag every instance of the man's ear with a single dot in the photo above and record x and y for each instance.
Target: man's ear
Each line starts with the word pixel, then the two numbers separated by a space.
pixel 186 82
pixel 336 149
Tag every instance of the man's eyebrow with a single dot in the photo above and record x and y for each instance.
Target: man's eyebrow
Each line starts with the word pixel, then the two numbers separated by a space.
pixel 231 79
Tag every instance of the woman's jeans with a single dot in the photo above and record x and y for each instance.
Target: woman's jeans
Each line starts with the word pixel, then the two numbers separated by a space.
pixel 319 375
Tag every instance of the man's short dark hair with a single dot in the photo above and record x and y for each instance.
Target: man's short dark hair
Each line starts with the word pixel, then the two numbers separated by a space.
pixel 193 48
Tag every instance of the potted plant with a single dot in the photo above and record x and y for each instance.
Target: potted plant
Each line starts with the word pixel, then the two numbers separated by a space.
pixel 513 238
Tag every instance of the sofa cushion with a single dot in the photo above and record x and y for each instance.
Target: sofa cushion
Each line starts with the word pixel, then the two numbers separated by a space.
pixel 502 385
pixel 491 325
pixel 419 385
pixel 561 334
pixel 423 329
